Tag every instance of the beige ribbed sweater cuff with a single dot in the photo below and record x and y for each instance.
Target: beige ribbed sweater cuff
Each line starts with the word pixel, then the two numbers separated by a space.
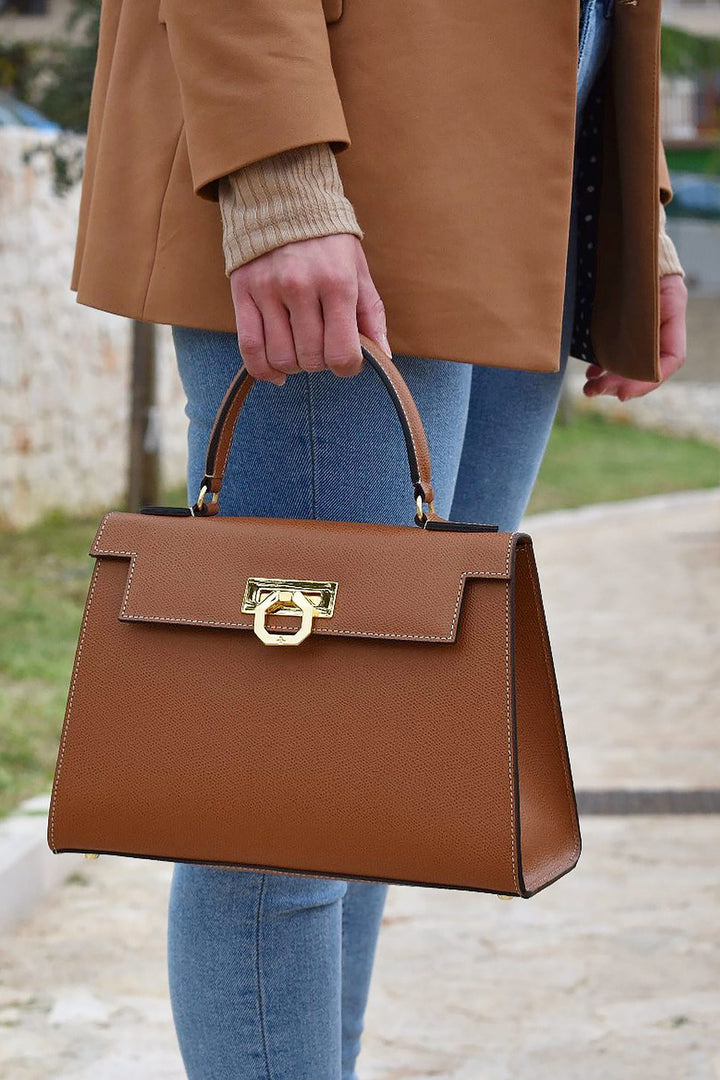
pixel 292 196
pixel 668 260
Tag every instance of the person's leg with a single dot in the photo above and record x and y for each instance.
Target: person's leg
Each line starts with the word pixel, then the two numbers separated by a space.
pixel 362 908
pixel 322 446
pixel 511 413
pixel 510 417
pixel 269 973
pixel 255 974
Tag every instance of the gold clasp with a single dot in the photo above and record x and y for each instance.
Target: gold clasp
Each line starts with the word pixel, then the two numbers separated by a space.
pixel 420 515
pixel 275 596
pixel 200 503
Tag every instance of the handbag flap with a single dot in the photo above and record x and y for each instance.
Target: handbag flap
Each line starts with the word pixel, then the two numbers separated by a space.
pixel 393 581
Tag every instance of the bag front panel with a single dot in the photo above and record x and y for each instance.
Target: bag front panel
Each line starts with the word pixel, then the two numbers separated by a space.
pixel 393 582
pixel 385 759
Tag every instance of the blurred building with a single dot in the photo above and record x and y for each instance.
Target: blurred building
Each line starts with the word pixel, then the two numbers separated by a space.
pixel 33 20
pixel 695 16
pixel 690 102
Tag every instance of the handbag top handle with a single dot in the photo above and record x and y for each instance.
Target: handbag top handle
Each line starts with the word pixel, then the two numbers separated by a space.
pixel 230 408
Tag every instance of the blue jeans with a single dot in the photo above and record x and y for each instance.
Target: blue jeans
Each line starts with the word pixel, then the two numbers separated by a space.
pixel 270 972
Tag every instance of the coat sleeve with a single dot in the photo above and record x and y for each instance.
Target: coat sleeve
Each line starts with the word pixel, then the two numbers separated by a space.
pixel 666 191
pixel 255 79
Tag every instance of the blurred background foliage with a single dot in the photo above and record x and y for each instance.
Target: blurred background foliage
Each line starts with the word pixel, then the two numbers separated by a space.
pixel 55 77
pixel 687 54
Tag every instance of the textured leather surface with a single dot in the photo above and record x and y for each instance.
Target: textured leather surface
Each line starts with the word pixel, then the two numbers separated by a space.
pixel 550 840
pixel 392 582
pixel 414 736
pixel 391 759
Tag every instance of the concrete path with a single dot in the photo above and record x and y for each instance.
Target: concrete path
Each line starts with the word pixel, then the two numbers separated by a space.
pixel 613 974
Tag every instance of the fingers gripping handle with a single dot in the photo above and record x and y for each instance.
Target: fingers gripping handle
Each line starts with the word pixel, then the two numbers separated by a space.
pixel 221 435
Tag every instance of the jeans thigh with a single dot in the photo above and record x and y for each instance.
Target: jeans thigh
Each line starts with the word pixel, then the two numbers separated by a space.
pixel 254 965
pixel 511 413
pixel 510 417
pixel 321 446
pixel 596 18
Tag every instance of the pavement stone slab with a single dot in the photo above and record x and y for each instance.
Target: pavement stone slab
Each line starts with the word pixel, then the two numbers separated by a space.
pixel 632 595
pixel 613 973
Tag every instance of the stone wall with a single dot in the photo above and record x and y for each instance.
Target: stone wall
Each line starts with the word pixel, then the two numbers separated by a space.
pixel 64 367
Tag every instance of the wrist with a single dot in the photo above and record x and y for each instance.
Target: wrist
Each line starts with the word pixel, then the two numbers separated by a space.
pixel 295 195
pixel 668 259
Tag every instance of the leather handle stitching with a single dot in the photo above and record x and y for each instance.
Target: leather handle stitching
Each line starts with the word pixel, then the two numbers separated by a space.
pixel 508 714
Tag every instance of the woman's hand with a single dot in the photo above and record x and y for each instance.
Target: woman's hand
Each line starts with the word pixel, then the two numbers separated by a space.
pixel 673 346
pixel 303 306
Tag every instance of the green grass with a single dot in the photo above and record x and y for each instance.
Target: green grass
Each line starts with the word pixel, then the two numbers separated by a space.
pixel 43 580
pixel 701 159
pixel 594 460
pixel 45 570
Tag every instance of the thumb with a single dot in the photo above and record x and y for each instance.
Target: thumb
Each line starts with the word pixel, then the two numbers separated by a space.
pixel 371 314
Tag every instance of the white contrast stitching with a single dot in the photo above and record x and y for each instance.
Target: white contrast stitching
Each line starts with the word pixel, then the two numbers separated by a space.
pixel 219 474
pixel 316 629
pixel 412 437
pixel 126 594
pixel 71 698
pixel 509 735
pixel 101 530
pixel 238 401
pixel 407 420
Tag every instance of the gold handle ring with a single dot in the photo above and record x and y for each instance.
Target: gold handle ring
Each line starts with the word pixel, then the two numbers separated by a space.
pixel 282 598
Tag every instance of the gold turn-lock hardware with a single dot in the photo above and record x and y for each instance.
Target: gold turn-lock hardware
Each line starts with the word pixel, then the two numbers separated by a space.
pixel 275 596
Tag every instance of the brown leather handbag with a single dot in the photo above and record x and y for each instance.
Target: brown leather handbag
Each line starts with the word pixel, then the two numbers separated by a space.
pixel 313 697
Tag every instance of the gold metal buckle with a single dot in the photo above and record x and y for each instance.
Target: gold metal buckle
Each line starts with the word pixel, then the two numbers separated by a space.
pixel 420 514
pixel 199 504
pixel 276 596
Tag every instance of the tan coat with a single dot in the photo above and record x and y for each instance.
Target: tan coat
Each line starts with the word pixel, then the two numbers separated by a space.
pixel 461 115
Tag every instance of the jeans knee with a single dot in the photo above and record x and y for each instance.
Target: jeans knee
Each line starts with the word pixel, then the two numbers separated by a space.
pixel 290 894
pixel 200 894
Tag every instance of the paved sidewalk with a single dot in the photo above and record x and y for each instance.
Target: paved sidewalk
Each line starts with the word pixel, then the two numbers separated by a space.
pixel 612 974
